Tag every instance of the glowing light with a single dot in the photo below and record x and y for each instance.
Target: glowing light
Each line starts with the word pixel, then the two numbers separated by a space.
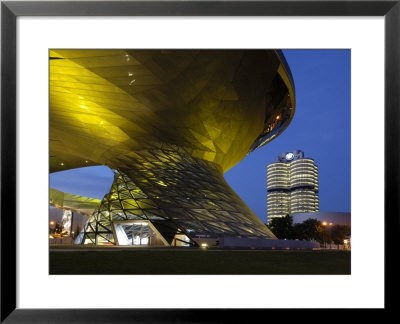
pixel 61 163
pixel 324 223
pixel 52 223
pixel 204 245
pixel 139 223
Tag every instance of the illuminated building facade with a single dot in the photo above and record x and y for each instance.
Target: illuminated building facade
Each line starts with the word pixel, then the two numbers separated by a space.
pixel 292 184
pixel 169 123
pixel 65 224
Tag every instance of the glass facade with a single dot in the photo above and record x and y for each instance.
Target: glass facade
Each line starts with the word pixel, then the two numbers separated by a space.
pixel 292 184
pixel 67 222
pixel 181 197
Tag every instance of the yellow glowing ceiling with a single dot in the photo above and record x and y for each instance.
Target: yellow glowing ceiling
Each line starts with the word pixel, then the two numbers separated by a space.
pixel 83 205
pixel 105 105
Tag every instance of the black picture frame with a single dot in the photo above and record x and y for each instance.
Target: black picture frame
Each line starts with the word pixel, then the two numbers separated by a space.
pixel 10 10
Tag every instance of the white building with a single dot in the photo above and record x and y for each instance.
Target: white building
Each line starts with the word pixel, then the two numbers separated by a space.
pixel 292 184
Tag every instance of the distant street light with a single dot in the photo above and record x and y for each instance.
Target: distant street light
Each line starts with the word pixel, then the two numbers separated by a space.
pixel 324 224
pixel 323 233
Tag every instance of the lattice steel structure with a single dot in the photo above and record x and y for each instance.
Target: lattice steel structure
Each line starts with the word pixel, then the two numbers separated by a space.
pixel 169 123
pixel 182 197
pixel 292 184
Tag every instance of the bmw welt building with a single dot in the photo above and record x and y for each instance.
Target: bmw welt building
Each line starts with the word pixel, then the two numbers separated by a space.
pixel 169 123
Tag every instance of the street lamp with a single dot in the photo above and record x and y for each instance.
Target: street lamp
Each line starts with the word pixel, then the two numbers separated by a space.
pixel 324 224
pixel 323 233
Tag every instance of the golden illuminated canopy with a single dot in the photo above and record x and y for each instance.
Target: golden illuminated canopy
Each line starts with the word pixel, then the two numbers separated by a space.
pixel 79 204
pixel 216 105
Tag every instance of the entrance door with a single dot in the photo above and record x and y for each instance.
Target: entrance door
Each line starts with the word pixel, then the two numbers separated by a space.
pixel 137 233
pixel 140 234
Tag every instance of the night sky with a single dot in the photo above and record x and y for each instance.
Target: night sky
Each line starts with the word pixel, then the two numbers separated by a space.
pixel 320 128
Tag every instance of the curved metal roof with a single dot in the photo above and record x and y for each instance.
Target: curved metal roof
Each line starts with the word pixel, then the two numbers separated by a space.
pixel 216 105
pixel 79 204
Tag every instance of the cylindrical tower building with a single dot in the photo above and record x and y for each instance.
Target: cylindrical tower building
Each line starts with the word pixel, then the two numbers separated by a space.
pixel 292 184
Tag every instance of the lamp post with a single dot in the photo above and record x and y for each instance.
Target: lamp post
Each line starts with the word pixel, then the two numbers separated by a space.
pixel 324 224
pixel 323 233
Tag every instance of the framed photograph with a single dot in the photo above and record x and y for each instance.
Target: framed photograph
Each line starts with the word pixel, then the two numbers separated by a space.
pixel 145 88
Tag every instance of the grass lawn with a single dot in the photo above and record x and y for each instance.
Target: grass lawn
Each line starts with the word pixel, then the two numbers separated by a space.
pixel 178 261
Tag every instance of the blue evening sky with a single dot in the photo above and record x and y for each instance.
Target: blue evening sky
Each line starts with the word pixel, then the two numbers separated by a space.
pixel 320 128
